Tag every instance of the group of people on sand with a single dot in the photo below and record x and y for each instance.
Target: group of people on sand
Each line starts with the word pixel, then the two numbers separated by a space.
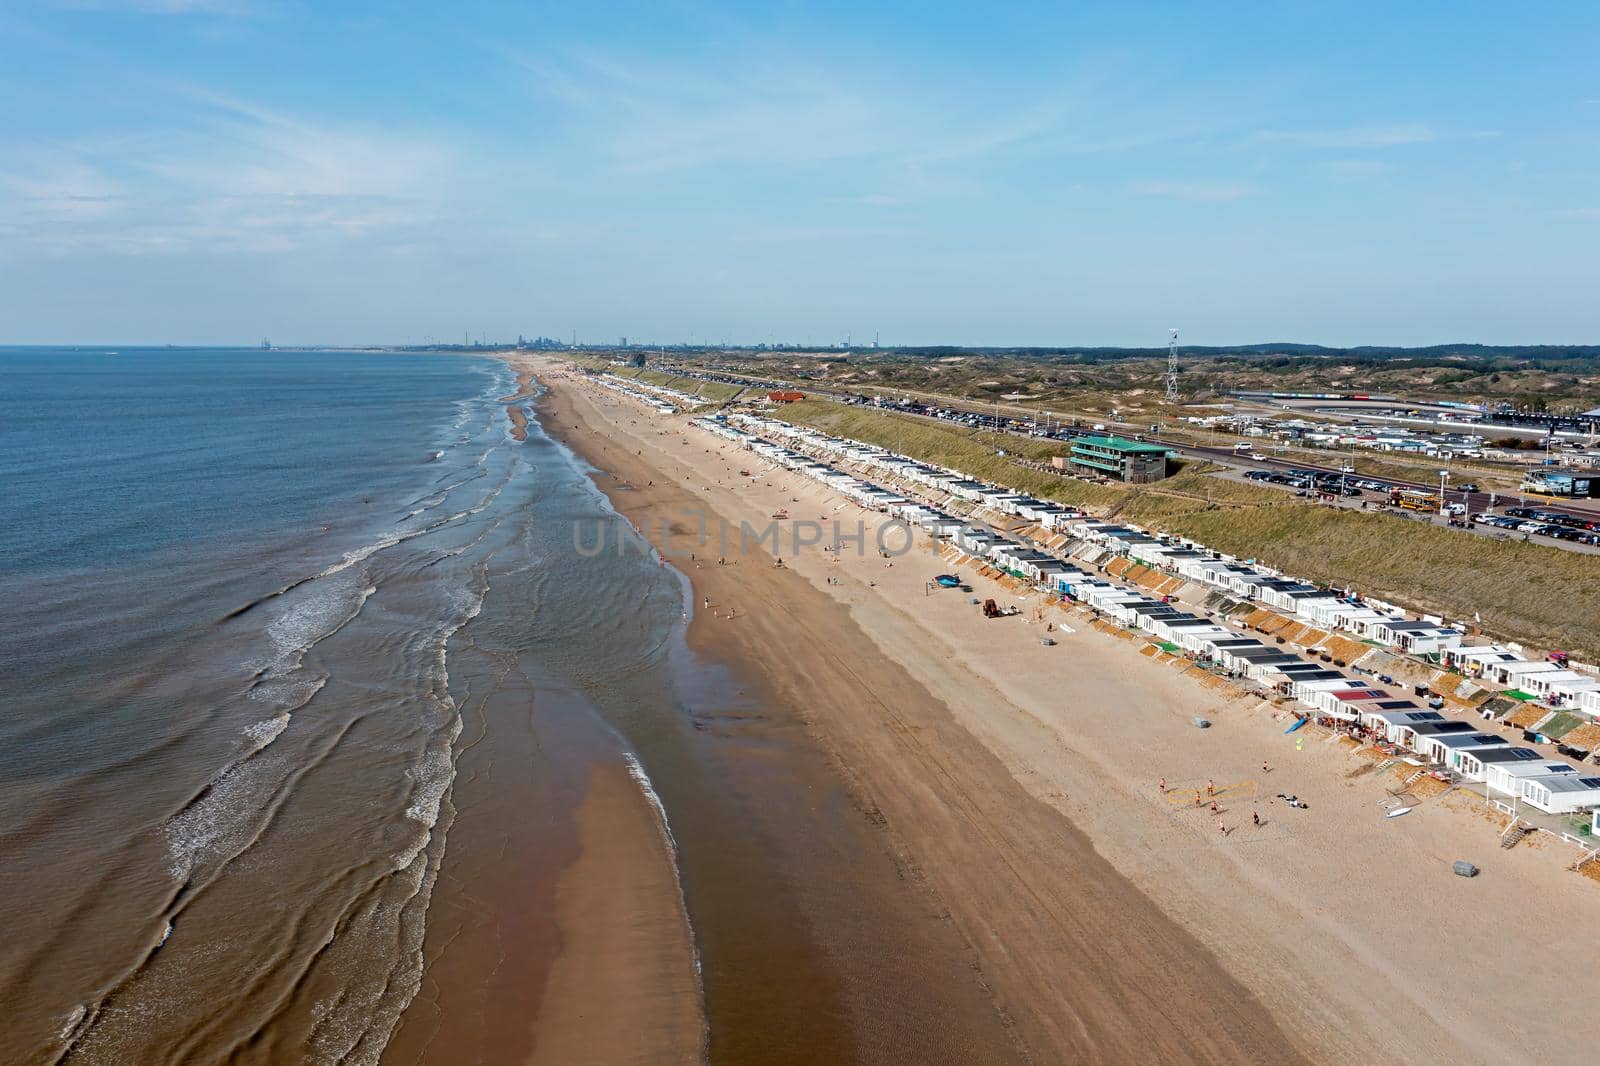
pixel 1211 794
pixel 716 612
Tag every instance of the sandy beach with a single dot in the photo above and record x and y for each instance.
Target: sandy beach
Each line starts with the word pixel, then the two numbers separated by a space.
pixel 1015 784
pixel 620 956
pixel 515 412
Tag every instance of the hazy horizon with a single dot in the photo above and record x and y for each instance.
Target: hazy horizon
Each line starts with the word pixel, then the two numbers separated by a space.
pixel 787 346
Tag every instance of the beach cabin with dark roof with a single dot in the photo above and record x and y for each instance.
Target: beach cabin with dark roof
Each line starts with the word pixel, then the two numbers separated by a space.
pixel 1395 725
pixel 1506 777
pixel 1443 748
pixel 1564 794
pixel 1474 765
pixel 1475 662
pixel 1422 732
pixel 1418 638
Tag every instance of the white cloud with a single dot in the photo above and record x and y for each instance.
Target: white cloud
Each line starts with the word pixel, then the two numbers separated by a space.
pixel 237 176
pixel 651 117
pixel 644 114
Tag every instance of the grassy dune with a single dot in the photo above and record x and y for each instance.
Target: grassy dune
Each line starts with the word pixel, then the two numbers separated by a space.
pixel 709 391
pixel 717 392
pixel 1546 597
pixel 976 452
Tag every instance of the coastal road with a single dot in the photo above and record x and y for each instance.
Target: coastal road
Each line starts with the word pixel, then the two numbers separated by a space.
pixel 1585 510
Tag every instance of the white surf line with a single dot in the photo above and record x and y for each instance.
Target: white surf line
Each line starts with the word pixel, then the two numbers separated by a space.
pixel 642 779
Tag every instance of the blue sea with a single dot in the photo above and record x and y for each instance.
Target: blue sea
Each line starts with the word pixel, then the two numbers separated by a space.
pixel 114 457
pixel 259 607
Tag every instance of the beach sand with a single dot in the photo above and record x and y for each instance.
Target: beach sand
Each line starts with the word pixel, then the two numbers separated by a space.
pixel 515 412
pixel 1016 785
pixel 557 911
pixel 626 951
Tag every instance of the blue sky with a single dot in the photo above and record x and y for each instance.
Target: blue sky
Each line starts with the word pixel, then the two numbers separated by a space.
pixel 206 171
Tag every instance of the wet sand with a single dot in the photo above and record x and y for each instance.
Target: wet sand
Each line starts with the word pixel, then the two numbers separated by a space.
pixel 557 915
pixel 1075 961
pixel 515 413
pixel 621 989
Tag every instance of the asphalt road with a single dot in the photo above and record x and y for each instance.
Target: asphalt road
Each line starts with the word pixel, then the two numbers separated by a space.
pixel 1475 501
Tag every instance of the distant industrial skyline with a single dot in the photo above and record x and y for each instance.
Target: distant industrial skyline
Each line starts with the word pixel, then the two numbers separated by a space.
pixel 209 171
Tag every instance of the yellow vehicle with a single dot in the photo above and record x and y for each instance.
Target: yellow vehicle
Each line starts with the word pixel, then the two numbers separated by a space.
pixel 1414 500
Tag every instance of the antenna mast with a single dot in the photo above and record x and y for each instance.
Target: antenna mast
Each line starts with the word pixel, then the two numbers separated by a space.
pixel 1172 368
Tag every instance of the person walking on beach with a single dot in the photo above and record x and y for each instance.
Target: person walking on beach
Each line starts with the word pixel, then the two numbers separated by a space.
pixel 1221 828
pixel 1265 768
pixel 1162 785
pixel 1209 789
pixel 1255 816
pixel 1214 807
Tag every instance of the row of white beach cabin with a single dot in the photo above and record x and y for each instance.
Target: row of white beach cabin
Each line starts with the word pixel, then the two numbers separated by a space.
pixel 1377 623
pixel 862 492
pixel 640 390
pixel 938 480
pixel 1250 581
pixel 1484 757
pixel 1551 683
pixel 1244 580
pixel 1452 744
pixel 1240 655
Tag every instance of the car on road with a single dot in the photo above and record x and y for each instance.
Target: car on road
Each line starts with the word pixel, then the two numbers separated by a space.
pixel 1258 457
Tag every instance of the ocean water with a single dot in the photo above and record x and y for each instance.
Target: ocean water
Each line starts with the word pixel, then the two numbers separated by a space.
pixel 250 602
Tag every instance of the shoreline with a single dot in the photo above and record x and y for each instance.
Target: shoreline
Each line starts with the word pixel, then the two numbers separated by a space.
pixel 626 948
pixel 1052 984
pixel 837 969
pixel 1345 966
pixel 526 389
